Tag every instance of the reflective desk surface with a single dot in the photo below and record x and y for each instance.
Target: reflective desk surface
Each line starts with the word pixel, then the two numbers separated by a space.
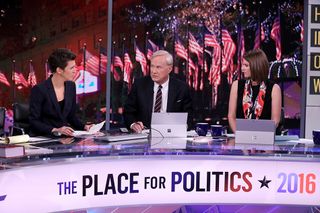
pixel 88 146
pixel 161 174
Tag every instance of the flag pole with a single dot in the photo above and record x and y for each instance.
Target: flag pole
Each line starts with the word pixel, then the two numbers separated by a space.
pixel 203 65
pixel 259 23
pixel 135 51
pixel 282 66
pixel 188 56
pixel 220 43
pixel 146 50
pixel 84 81
pixel 29 78
pixel 108 74
pixel 98 117
pixel 13 81
pixel 173 50
pixel 84 69
pixel 112 101
pixel 123 72
pixel 240 34
pixel 46 69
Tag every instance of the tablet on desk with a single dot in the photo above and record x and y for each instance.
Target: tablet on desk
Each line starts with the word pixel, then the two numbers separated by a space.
pixel 252 131
pixel 169 124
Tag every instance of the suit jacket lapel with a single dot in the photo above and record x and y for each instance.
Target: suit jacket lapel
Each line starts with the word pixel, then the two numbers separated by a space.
pixel 149 96
pixel 67 99
pixel 171 95
pixel 53 96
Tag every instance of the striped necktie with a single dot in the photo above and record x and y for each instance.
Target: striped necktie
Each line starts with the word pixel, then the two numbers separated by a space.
pixel 158 103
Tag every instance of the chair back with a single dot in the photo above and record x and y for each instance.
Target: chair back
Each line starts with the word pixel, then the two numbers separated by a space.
pixel 280 129
pixel 21 116
pixel 2 119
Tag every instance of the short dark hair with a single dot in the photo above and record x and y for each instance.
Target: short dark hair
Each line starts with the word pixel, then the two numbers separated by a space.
pixel 259 65
pixel 59 58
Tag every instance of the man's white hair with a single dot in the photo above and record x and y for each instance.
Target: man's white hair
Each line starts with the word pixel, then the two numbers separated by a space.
pixel 169 58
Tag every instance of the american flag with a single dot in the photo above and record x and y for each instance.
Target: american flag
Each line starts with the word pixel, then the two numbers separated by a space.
pixel 276 36
pixel 117 62
pixel 104 62
pixel 210 40
pixel 241 51
pixel 3 79
pixel 195 48
pixel 127 69
pixel 260 36
pixel 181 51
pixel 92 63
pixel 301 30
pixel 141 58
pixel 229 49
pixel 48 71
pixel 151 48
pixel 18 78
pixel 77 74
pixel 115 73
pixel 32 80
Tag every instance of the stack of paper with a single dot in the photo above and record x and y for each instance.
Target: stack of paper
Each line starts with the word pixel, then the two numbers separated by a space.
pixel 9 151
pixel 94 129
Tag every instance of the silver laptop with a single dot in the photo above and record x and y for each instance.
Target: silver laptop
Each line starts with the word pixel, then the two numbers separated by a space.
pixel 169 124
pixel 252 131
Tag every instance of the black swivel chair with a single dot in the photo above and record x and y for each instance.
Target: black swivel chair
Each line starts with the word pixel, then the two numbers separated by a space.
pixel 2 120
pixel 280 129
pixel 20 119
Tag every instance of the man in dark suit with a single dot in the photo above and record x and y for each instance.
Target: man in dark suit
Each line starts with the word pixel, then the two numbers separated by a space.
pixel 53 102
pixel 156 93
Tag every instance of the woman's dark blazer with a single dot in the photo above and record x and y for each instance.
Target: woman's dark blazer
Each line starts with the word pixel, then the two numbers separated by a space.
pixel 45 111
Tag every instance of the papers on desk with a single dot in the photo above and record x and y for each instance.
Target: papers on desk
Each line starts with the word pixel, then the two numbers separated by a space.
pixel 38 139
pixel 15 139
pixel 35 150
pixel 94 129
pixel 292 139
pixel 286 137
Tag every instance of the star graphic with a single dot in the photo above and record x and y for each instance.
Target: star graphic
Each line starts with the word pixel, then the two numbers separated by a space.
pixel 264 182
pixel 2 197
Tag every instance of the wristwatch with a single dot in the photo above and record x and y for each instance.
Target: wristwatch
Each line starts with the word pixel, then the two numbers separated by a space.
pixel 56 133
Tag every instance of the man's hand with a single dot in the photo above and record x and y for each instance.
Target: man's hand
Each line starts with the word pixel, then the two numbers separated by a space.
pixel 87 127
pixel 65 130
pixel 137 127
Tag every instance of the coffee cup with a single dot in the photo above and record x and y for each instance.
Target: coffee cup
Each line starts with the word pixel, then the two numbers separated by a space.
pixel 316 136
pixel 202 129
pixel 216 130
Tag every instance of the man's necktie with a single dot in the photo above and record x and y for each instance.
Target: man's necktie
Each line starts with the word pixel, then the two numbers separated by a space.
pixel 158 103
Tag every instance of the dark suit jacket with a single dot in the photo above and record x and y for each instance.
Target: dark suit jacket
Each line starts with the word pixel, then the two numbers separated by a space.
pixel 140 101
pixel 45 112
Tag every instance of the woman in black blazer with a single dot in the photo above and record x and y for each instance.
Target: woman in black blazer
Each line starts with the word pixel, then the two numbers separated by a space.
pixel 53 102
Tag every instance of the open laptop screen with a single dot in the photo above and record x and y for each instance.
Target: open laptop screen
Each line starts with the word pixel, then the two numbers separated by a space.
pixel 254 131
pixel 169 124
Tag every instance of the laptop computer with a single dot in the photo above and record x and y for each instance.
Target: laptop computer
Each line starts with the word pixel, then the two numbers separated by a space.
pixel 169 124
pixel 252 131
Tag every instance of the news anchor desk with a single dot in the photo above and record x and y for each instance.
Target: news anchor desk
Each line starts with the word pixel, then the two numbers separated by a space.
pixel 197 174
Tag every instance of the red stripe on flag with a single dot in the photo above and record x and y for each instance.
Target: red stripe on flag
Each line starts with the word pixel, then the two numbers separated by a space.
pixel 3 79
pixel 276 36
